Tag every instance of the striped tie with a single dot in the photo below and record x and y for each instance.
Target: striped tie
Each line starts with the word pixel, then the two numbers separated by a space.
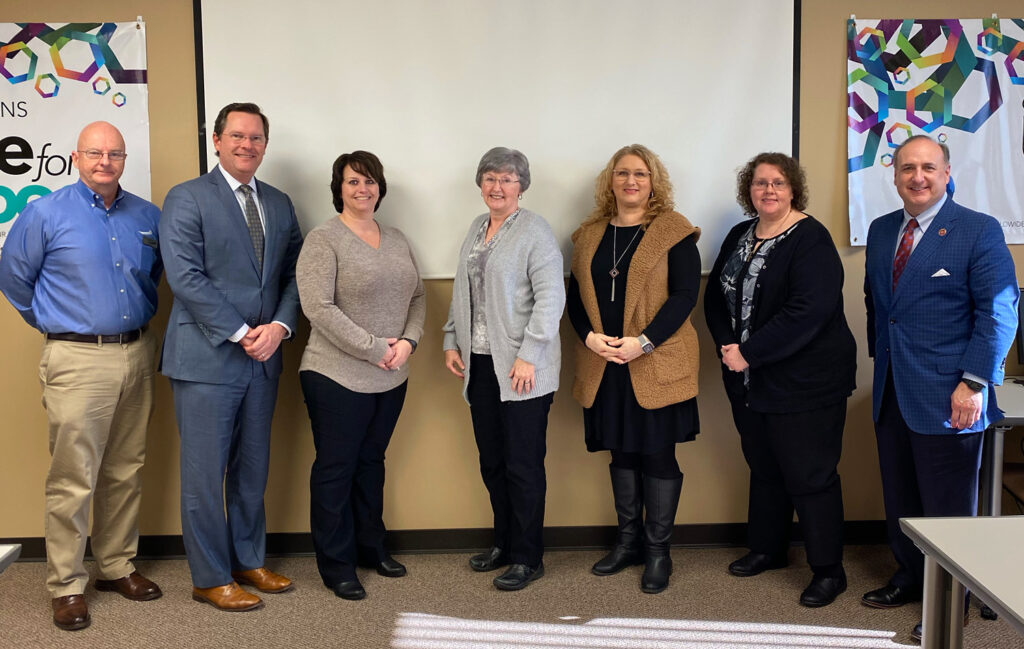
pixel 252 220
pixel 903 252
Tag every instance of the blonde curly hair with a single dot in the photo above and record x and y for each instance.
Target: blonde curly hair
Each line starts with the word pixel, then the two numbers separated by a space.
pixel 661 199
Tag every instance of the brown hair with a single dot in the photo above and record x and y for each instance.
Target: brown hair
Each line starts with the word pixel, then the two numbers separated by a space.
pixel 362 162
pixel 789 167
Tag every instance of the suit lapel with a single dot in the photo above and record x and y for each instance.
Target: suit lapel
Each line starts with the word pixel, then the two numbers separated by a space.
pixel 233 215
pixel 271 244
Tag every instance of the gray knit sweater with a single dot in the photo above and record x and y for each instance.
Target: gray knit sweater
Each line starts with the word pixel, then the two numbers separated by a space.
pixel 356 298
pixel 525 295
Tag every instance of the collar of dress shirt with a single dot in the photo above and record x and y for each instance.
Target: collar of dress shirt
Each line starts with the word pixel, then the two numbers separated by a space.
pixel 925 218
pixel 234 184
pixel 95 199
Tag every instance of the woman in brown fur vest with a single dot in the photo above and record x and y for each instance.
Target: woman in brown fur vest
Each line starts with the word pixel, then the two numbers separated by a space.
pixel 635 280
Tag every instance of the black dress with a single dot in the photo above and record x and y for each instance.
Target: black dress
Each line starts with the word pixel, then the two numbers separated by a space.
pixel 616 421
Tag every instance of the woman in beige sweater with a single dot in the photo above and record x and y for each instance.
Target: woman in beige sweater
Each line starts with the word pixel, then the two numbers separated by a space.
pixel 361 290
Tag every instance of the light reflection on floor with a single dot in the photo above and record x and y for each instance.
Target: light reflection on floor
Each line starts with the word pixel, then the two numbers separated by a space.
pixel 421 631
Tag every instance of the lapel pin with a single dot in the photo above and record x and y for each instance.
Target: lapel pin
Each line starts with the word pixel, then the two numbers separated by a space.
pixel 942 232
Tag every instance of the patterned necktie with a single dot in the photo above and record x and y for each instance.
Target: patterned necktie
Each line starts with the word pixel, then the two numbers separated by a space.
pixel 252 220
pixel 903 252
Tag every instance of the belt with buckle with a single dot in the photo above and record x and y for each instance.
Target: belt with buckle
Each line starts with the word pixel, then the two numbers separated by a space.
pixel 123 338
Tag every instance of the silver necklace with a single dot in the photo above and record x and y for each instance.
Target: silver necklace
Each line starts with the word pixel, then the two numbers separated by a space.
pixel 614 272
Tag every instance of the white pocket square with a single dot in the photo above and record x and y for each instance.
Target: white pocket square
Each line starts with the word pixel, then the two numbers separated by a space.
pixel 942 272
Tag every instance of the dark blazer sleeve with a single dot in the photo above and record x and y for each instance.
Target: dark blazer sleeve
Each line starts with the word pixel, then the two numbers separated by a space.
pixel 716 311
pixel 814 283
pixel 182 245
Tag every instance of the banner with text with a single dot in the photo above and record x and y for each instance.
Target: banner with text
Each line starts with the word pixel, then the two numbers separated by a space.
pixel 960 82
pixel 58 77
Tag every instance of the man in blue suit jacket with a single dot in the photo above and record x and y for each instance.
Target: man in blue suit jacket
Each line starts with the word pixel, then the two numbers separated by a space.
pixel 941 295
pixel 229 244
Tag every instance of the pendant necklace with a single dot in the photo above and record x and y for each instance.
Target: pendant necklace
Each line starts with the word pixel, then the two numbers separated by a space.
pixel 614 272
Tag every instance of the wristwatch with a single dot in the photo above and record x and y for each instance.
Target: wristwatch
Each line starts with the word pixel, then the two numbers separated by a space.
pixel 411 342
pixel 974 385
pixel 645 344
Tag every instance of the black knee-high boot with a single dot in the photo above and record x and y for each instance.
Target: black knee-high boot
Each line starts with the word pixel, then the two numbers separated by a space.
pixel 628 490
pixel 661 498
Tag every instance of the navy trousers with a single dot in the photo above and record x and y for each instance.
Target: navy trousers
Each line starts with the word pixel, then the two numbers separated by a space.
pixel 511 438
pixel 351 432
pixel 225 453
pixel 922 475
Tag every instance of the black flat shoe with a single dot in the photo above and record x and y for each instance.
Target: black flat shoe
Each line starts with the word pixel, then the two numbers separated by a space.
pixel 350 589
pixel 890 596
pixel 388 567
pixel 754 563
pixel 487 561
pixel 822 591
pixel 518 576
pixel 617 560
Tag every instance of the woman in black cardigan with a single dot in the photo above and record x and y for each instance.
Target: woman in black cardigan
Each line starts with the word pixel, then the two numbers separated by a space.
pixel 774 305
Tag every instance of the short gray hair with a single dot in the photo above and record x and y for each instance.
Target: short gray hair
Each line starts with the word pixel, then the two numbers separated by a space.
pixel 504 159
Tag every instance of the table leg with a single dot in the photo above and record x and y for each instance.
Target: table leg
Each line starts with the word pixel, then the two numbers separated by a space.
pixel 942 621
pixel 991 477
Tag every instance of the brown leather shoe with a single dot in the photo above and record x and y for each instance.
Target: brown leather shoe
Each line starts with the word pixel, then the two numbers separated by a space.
pixel 229 597
pixel 70 612
pixel 134 587
pixel 264 580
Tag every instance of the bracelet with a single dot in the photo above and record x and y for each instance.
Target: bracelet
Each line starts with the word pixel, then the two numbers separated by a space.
pixel 411 342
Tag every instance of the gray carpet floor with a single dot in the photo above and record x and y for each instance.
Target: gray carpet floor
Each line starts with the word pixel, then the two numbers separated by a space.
pixel 442 604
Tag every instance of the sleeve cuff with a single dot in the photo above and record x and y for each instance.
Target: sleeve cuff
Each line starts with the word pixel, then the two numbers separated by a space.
pixel 238 335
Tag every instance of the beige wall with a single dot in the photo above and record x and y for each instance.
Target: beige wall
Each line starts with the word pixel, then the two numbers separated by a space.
pixel 433 480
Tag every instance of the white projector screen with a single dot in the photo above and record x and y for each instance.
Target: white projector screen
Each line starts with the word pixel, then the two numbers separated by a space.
pixel 430 86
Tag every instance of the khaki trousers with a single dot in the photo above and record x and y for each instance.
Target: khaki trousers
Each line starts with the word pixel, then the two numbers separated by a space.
pixel 98 398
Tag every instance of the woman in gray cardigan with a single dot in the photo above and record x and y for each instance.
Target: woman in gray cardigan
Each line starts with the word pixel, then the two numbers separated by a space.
pixel 361 290
pixel 501 339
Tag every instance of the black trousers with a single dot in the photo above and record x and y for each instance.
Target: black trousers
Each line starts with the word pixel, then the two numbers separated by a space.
pixel 922 475
pixel 510 436
pixel 351 431
pixel 792 459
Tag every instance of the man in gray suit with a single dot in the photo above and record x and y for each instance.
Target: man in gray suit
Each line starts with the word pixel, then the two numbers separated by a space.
pixel 229 244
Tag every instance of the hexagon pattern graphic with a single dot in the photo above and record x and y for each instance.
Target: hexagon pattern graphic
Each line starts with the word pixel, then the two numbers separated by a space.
pixel 78 52
pixel 914 71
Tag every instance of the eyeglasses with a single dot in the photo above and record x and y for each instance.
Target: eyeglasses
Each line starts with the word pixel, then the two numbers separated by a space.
pixel 96 154
pixel 501 182
pixel 762 185
pixel 238 138
pixel 624 174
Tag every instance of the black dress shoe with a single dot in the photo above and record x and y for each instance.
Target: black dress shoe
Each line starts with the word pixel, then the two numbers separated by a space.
pixel 754 563
pixel 388 567
pixel 890 596
pixel 822 591
pixel 349 589
pixel 487 561
pixel 518 576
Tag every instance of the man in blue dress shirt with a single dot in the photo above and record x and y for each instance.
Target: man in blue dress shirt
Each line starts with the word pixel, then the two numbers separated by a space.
pixel 82 265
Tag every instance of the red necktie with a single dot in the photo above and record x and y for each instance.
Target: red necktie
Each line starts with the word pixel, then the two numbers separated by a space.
pixel 903 252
